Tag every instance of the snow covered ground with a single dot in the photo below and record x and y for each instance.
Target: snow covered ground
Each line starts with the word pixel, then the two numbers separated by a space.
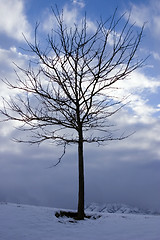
pixel 22 222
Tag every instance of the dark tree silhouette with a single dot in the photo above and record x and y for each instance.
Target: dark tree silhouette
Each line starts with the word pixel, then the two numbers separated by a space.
pixel 67 96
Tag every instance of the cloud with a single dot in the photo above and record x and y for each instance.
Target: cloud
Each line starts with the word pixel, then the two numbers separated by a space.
pixel 13 20
pixel 146 137
pixel 139 14
pixel 155 55
pixel 128 176
pixel 79 3
pixel 147 13
pixel 138 86
pixel 125 171
pixel 71 16
pixel 7 60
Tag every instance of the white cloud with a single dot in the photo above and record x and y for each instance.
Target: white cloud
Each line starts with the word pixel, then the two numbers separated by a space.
pixel 146 138
pixel 7 60
pixel 71 16
pixel 79 3
pixel 147 13
pixel 139 14
pixel 143 112
pixel 8 57
pixel 137 87
pixel 138 82
pixel 155 55
pixel 155 24
pixel 13 20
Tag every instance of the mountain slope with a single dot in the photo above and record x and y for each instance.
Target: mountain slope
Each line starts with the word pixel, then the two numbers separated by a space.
pixel 119 208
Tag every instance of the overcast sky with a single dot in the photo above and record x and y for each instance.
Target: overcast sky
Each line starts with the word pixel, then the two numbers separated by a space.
pixel 126 171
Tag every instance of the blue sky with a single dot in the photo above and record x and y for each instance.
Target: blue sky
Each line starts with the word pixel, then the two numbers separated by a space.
pixel 126 171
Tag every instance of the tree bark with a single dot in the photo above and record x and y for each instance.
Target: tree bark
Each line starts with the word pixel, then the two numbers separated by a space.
pixel 81 177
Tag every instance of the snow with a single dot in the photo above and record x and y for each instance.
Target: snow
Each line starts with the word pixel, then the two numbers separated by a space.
pixel 119 208
pixel 22 222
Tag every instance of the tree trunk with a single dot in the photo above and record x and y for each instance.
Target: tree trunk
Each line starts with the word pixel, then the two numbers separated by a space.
pixel 81 177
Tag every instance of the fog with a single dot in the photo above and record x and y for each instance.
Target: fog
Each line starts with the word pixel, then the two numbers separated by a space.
pixel 111 176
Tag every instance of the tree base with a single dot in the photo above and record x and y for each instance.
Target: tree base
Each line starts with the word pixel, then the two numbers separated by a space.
pixel 74 215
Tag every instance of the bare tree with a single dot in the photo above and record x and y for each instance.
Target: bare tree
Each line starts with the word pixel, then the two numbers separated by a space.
pixel 67 97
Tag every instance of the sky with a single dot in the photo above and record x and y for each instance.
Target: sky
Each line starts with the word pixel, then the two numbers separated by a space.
pixel 125 171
